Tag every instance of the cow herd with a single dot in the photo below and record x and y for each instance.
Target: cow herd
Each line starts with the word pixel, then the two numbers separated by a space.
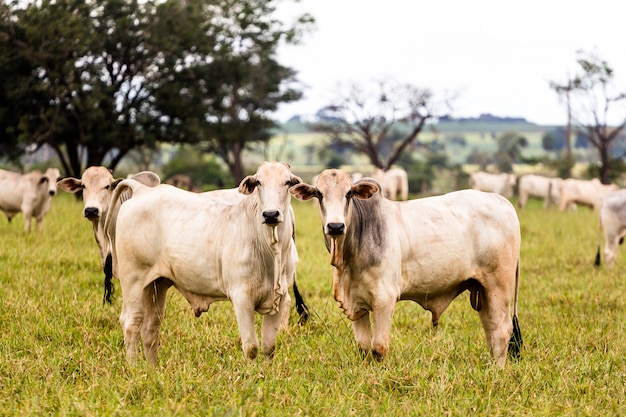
pixel 608 199
pixel 239 245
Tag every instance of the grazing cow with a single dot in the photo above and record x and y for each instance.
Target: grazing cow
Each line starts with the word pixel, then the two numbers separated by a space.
pixel 612 220
pixel 538 186
pixel 394 182
pixel 30 194
pixel 493 183
pixel 97 185
pixel 209 250
pixel 587 192
pixel 428 250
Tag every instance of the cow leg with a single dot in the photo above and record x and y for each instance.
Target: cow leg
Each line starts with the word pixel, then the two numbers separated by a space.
pixel 272 324
pixel 382 313
pixel 497 323
pixel 610 248
pixel 362 332
pixel 244 312
pixel 131 319
pixel 154 312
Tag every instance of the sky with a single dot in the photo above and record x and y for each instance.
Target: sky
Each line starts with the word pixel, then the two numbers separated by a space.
pixel 495 56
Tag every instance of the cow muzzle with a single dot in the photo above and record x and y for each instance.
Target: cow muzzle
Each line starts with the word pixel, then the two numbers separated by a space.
pixel 335 229
pixel 271 217
pixel 91 212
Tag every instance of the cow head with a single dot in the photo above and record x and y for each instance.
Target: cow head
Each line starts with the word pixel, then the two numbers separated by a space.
pixel 49 179
pixel 96 184
pixel 271 184
pixel 334 190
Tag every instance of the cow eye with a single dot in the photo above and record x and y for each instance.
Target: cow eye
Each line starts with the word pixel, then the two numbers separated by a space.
pixel 107 187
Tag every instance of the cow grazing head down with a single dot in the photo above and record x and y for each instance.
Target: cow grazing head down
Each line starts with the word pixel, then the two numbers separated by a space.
pixel 271 183
pixel 334 190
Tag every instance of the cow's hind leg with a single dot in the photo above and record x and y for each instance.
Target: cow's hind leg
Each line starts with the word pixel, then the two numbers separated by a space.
pixel 497 323
pixel 131 319
pixel 154 312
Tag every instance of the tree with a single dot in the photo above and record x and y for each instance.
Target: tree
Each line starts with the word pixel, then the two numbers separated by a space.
pixel 222 88
pixel 595 102
pixel 510 146
pixel 110 76
pixel 381 124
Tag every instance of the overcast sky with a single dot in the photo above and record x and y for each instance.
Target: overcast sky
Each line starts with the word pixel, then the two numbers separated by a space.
pixel 498 55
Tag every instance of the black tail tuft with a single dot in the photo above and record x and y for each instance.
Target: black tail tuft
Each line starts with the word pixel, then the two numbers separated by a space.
pixel 516 342
pixel 301 308
pixel 108 282
pixel 597 262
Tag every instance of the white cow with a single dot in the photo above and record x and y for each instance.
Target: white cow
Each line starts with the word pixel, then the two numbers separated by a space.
pixel 394 182
pixel 97 185
pixel 30 194
pixel 209 251
pixel 428 250
pixel 493 183
pixel 612 220
pixel 587 192
pixel 538 186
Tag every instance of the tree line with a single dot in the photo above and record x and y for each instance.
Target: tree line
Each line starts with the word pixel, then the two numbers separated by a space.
pixel 96 79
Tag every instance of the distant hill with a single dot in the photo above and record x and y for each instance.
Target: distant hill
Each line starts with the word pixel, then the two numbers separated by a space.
pixel 486 122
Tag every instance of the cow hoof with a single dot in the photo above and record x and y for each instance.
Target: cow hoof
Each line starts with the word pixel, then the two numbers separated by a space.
pixel 378 356
pixel 251 352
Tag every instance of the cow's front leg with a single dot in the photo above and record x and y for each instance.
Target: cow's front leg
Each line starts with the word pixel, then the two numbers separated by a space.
pixel 272 324
pixel 382 314
pixel 244 312
pixel 362 332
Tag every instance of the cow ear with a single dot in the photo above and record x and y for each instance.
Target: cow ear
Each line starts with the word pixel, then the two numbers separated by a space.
pixel 116 182
pixel 364 190
pixel 294 180
pixel 247 185
pixel 303 192
pixel 70 185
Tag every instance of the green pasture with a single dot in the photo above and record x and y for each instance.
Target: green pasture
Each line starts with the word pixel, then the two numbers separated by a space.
pixel 61 349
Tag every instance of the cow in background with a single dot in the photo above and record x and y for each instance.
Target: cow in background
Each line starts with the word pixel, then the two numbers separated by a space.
pixel 394 182
pixel 587 192
pixel 427 250
pixel 493 183
pixel 97 185
pixel 209 251
pixel 31 194
pixel 612 220
pixel 538 186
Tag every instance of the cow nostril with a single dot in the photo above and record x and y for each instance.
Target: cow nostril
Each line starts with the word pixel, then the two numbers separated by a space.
pixel 91 212
pixel 51 192
pixel 335 228
pixel 271 216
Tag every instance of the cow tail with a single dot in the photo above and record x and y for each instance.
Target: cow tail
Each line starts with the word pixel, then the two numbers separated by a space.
pixel 516 342
pixel 301 308
pixel 108 282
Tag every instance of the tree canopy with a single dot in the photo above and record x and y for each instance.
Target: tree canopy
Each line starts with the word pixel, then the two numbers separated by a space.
pixel 594 100
pixel 380 124
pixel 95 79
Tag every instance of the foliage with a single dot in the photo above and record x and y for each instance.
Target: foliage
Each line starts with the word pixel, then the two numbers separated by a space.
pixel 103 77
pixel 380 122
pixel 592 100
pixel 61 350
pixel 204 171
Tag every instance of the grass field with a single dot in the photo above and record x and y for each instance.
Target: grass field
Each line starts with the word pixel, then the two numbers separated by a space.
pixel 61 350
